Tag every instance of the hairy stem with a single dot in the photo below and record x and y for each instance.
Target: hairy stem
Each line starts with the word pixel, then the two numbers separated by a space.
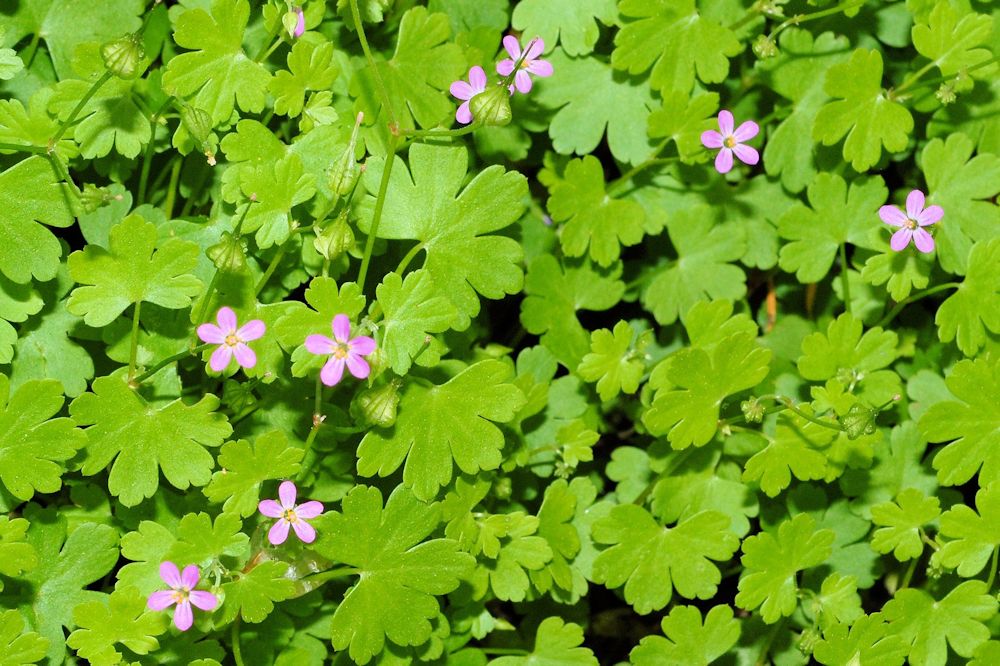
pixel 147 158
pixel 845 280
pixel 77 109
pixel 383 187
pixel 787 402
pixel 134 346
pixel 170 359
pixel 889 316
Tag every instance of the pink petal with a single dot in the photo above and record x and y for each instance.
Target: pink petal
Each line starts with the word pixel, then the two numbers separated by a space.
pixel 358 366
pixel 342 328
pixel 332 371
pixel 227 320
pixel 278 532
pixel 300 25
pixel 183 616
pixel 204 600
pixel 923 241
pixel 513 46
pixel 477 77
pixel 245 356
pixel 522 81
pixel 170 575
pixel 211 333
pixel 361 345
pixel 930 215
pixel 900 239
pixel 160 600
pixel 724 160
pixel 304 531
pixel 535 48
pixel 220 358
pixel 892 215
pixel 541 68
pixel 746 131
pixel 914 204
pixel 746 154
pixel 287 493
pixel 712 139
pixel 463 114
pixel 270 508
pixel 190 576
pixel 320 344
pixel 251 330
pixel 461 90
pixel 505 67
pixel 725 122
pixel 309 509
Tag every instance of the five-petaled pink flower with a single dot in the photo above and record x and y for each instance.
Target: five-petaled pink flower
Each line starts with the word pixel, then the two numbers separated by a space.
pixel 910 222
pixel 182 593
pixel 530 65
pixel 232 339
pixel 343 350
pixel 731 142
pixel 288 513
pixel 466 91
pixel 300 24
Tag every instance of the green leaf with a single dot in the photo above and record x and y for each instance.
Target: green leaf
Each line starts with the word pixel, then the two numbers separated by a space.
pixel 216 75
pixel 252 595
pixel 652 561
pixel 702 272
pixel 135 269
pixel 462 259
pixel 972 421
pixel 19 647
pixel 33 445
pixel 771 564
pixel 678 39
pixel 556 642
pixel 975 536
pixel 837 601
pixel 388 547
pixel 44 350
pixel 31 193
pixel 555 294
pixel 413 310
pixel 141 439
pixel 326 302
pixel 792 450
pixel 273 189
pixel 572 22
pixel 560 507
pixel 121 618
pixel 614 362
pixel 682 119
pixel 309 68
pixel 245 467
pixel 901 272
pixel 688 641
pixel 861 112
pixel 16 556
pixel 950 41
pixel 686 407
pixel 592 99
pixel 928 625
pixel 10 64
pixel 591 216
pixel 901 522
pixel 844 348
pixel 438 426
pixel 867 643
pixel 34 126
pixel 974 307
pixel 836 216
pixel 510 541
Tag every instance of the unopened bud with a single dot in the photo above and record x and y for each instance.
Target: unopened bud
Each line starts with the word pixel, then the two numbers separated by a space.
pixel 753 410
pixel 93 197
pixel 335 238
pixel 859 420
pixel 764 47
pixel 294 22
pixel 377 406
pixel 492 106
pixel 344 173
pixel 123 57
pixel 946 93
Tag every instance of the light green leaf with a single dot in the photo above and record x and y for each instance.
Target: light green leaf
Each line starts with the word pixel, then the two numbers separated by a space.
pixel 687 640
pixel 974 308
pixel 557 642
pixel 614 362
pixel 309 68
pixel 413 310
pixel 121 618
pixel 901 522
pixel 974 536
pixel 252 595
pixel 17 646
pixel 572 22
pixel 245 467
pixel 950 40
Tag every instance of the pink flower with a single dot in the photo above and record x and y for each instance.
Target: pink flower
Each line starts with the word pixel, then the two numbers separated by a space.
pixel 290 514
pixel 300 25
pixel 231 339
pixel 530 65
pixel 182 593
pixel 910 223
pixel 343 350
pixel 731 142
pixel 466 91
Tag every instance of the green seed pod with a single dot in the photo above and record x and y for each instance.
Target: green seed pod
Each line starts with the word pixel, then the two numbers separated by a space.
pixel 764 47
pixel 491 107
pixel 859 420
pixel 197 122
pixel 753 410
pixel 344 172
pixel 228 254
pixel 123 57
pixel 93 197
pixel 377 406
pixel 335 238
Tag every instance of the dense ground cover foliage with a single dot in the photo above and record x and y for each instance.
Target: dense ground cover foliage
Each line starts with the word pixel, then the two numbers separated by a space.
pixel 496 331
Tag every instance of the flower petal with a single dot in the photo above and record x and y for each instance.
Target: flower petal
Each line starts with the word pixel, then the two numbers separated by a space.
pixel 892 215
pixel 361 345
pixel 227 320
pixel 746 154
pixel 245 356
pixel 477 78
pixel 270 508
pixel 300 24
pixel 204 600
pixel 309 509
pixel 711 139
pixel 724 161
pixel 930 215
pixel 287 493
pixel 320 344
pixel 536 47
pixel 278 532
pixel 463 114
pixel 923 240
pixel 220 358
pixel 332 371
pixel 342 328
pixel 900 239
pixel 190 576
pixel 159 600
pixel 505 67
pixel 541 68
pixel 305 531
pixel 522 81
pixel 183 616
pixel 252 330
pixel 211 333
pixel 461 90
pixel 746 131
pixel 725 122
pixel 358 366
pixel 170 574
pixel 513 46
pixel 914 204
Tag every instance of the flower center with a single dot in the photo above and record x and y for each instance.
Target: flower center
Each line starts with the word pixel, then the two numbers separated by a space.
pixel 180 596
pixel 340 350
pixel 232 340
pixel 910 224
pixel 289 515
pixel 730 141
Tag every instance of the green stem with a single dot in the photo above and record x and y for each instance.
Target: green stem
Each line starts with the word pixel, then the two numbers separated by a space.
pixel 436 132
pixel 845 278
pixel 762 660
pixel 812 419
pixel 908 576
pixel 804 18
pixel 913 78
pixel 32 49
pixel 332 574
pixel 237 651
pixel 134 347
pixel 22 148
pixel 749 16
pixel 77 109
pixel 503 651
pixel 269 271
pixel 408 258
pixel 887 319
pixel 653 160
pixel 175 177
pixel 170 359
pixel 379 83
pixel 993 568
pixel 147 158
pixel 942 79
pixel 379 205
pixel 267 54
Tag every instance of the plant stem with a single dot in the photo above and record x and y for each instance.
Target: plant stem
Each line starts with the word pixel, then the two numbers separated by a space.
pixel 170 359
pixel 887 319
pixel 908 576
pixel 993 568
pixel 379 205
pixel 913 78
pixel 22 148
pixel 803 18
pixel 147 159
pixel 134 348
pixel 269 271
pixel 408 258
pixel 237 651
pixel 766 648
pixel 787 402
pixel 942 79
pixel 331 574
pixel 175 176
pixel 845 278
pixel 503 651
pixel 77 109
pixel 436 132
pixel 379 83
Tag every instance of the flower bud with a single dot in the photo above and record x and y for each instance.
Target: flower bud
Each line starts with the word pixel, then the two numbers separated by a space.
pixel 764 47
pixel 344 172
pixel 946 93
pixel 294 22
pixel 859 420
pixel 753 410
pixel 491 107
pixel 335 238
pixel 377 406
pixel 123 57
pixel 93 197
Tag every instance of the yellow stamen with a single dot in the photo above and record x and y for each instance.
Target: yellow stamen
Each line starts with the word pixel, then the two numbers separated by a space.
pixel 232 340
pixel 910 224
pixel 340 351
pixel 289 515
pixel 730 142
